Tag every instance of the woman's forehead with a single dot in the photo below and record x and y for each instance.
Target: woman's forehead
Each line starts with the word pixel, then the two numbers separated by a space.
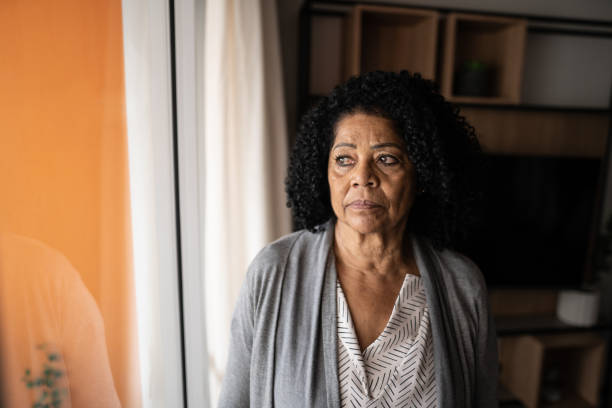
pixel 367 128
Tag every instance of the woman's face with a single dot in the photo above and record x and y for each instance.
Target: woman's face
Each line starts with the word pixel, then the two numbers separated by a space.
pixel 371 180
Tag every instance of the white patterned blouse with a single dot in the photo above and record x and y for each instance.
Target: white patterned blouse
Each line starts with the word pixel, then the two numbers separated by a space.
pixel 397 369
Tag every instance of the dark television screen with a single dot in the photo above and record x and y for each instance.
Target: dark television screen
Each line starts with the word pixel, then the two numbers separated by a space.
pixel 537 220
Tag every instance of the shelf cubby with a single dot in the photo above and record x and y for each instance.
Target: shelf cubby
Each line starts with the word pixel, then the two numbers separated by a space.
pixel 575 358
pixel 498 43
pixel 391 39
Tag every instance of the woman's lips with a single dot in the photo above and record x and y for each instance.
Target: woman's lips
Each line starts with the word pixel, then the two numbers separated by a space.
pixel 363 205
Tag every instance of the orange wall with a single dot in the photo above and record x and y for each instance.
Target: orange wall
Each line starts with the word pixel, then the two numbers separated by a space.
pixel 63 152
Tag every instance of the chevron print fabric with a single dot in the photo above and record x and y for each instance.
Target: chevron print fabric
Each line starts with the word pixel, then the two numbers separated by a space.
pixel 397 369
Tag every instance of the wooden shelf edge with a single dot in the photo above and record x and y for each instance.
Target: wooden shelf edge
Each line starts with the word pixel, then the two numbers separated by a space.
pixel 488 18
pixel 515 106
pixel 535 108
pixel 541 325
pixel 417 12
pixel 482 100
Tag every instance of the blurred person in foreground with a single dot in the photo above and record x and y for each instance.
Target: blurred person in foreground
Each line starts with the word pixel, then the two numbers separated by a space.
pixel 52 343
pixel 368 304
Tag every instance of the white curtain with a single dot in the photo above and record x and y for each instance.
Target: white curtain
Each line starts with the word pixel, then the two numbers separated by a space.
pixel 245 155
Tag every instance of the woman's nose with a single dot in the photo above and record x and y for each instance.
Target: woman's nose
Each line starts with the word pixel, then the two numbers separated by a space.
pixel 364 176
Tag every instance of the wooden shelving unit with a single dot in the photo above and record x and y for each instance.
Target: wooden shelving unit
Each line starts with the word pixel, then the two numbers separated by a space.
pixel 496 42
pixel 367 38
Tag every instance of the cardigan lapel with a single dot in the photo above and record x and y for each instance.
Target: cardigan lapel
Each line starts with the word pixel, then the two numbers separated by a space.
pixel 328 323
pixel 449 376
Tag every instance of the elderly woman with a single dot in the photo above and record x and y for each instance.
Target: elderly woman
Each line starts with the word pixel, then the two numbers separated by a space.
pixel 367 305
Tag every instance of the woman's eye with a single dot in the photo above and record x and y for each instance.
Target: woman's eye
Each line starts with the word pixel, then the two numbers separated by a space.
pixel 343 161
pixel 388 160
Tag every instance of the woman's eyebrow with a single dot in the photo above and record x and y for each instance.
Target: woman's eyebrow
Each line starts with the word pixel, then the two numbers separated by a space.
pixel 381 145
pixel 345 145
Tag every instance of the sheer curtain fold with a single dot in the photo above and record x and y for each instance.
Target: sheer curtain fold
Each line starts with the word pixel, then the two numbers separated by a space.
pixel 245 151
pixel 146 35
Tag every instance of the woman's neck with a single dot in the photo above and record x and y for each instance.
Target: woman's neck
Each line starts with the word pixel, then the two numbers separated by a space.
pixel 375 254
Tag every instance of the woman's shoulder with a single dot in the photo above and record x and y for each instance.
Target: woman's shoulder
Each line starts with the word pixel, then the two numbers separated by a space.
pixel 275 252
pixel 280 262
pixel 275 256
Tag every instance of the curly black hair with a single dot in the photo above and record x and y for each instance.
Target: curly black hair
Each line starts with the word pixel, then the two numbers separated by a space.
pixel 439 142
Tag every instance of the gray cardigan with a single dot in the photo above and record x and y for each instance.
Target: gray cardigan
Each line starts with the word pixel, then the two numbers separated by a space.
pixel 283 332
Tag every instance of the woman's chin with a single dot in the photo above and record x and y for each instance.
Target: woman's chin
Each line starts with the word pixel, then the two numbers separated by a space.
pixel 366 225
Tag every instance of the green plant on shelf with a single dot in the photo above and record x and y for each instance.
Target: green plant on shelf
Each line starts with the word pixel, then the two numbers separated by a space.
pixel 47 384
pixel 474 65
pixel 473 79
